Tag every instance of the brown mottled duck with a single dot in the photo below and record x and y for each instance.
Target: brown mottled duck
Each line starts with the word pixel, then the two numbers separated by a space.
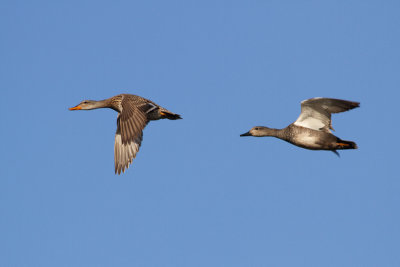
pixel 134 112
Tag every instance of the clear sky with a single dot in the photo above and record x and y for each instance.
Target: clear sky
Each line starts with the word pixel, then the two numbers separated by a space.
pixel 198 194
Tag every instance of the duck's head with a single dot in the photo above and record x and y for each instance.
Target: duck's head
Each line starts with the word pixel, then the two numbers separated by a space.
pixel 258 131
pixel 85 105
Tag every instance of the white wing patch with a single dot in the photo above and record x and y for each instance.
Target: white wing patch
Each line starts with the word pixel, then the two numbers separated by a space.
pixel 311 123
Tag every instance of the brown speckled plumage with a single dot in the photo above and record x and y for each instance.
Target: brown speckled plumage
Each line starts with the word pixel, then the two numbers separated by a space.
pixel 134 112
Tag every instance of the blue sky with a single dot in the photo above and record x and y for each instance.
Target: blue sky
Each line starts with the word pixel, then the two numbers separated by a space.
pixel 198 194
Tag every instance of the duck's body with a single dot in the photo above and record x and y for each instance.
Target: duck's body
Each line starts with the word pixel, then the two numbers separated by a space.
pixel 134 112
pixel 312 129
pixel 308 138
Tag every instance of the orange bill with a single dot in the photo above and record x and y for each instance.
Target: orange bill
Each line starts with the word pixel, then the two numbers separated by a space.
pixel 75 108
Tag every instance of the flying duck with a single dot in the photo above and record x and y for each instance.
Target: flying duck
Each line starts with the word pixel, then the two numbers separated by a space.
pixel 312 129
pixel 134 112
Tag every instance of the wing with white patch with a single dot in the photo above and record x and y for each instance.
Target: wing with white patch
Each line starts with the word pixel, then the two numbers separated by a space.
pixel 316 112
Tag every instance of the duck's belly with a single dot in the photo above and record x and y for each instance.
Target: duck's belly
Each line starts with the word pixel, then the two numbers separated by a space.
pixel 308 140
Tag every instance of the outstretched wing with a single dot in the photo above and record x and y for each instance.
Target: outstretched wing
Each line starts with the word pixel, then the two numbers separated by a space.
pixel 316 112
pixel 130 124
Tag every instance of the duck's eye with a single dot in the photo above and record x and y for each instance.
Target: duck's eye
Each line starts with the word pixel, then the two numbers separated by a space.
pixel 256 128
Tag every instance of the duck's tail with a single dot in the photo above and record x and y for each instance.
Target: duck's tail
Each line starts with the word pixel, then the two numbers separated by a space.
pixel 169 115
pixel 342 144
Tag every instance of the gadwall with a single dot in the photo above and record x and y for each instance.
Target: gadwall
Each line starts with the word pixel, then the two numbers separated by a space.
pixel 134 112
pixel 312 129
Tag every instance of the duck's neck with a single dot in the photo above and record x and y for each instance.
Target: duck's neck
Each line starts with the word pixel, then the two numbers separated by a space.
pixel 265 131
pixel 101 104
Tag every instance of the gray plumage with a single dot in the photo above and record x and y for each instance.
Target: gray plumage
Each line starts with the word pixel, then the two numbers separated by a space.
pixel 134 112
pixel 312 128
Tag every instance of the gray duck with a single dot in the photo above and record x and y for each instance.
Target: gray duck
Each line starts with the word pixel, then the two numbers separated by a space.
pixel 312 128
pixel 134 112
